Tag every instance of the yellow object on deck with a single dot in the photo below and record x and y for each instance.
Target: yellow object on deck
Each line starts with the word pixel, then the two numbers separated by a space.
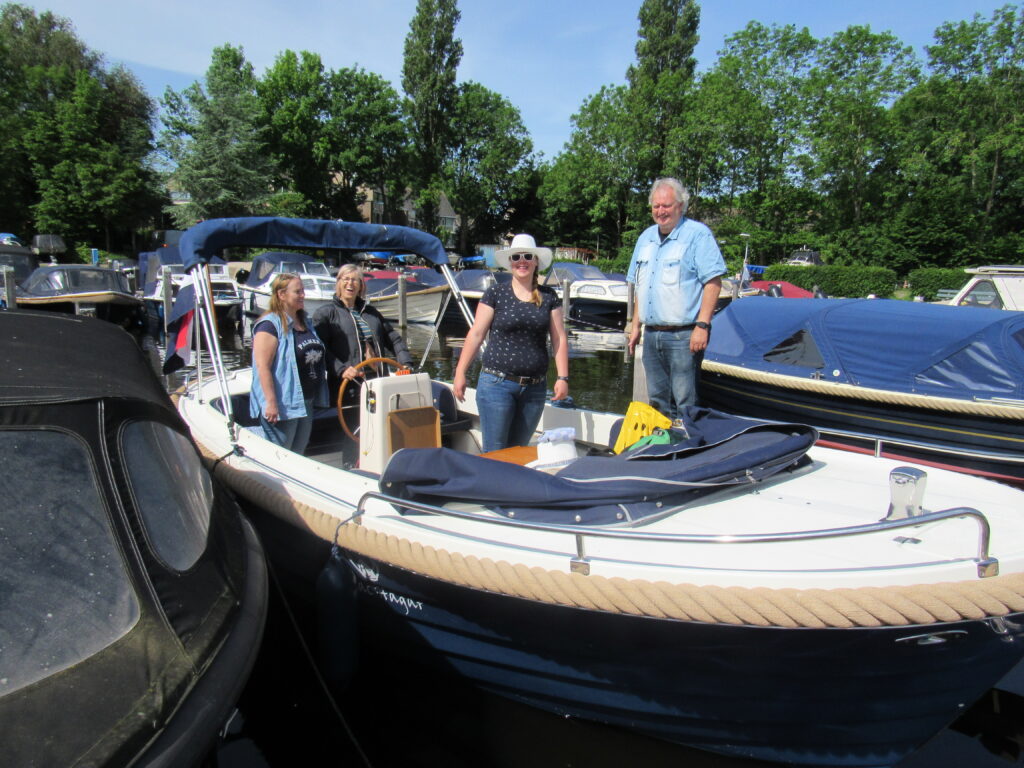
pixel 641 420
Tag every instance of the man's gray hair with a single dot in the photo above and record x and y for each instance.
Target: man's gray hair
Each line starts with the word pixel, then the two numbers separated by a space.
pixel 681 193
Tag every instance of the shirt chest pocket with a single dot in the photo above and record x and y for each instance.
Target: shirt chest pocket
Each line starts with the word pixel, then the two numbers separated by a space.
pixel 671 270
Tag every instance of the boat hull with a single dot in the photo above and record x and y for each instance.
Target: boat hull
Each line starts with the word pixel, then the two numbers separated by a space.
pixel 942 437
pixel 853 697
pixel 420 306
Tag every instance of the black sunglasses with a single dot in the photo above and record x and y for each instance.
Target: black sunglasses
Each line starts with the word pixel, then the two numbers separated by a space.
pixel 523 256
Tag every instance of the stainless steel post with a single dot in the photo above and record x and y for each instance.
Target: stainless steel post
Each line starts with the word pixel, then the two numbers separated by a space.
pixel 401 301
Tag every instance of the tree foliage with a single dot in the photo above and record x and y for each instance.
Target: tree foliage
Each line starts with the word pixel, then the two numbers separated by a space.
pixel 431 59
pixel 489 163
pixel 76 138
pixel 217 145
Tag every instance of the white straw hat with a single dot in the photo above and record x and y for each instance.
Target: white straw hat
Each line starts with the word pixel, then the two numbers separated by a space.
pixel 523 244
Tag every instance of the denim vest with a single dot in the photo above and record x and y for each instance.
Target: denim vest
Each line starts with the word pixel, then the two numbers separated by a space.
pixel 287 385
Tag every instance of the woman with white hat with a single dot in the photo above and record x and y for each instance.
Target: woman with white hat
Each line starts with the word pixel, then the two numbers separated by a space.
pixel 520 316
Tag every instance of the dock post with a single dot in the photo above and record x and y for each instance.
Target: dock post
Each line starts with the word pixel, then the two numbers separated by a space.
pixel 10 300
pixel 168 295
pixel 402 317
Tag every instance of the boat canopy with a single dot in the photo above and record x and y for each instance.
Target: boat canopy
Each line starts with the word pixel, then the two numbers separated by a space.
pixel 209 238
pixel 900 346
pixel 712 450
pixel 573 270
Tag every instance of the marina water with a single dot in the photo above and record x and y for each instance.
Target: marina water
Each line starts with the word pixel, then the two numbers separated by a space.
pixel 396 713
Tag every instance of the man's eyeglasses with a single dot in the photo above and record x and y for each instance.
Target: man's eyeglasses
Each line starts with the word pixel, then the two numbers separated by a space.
pixel 517 256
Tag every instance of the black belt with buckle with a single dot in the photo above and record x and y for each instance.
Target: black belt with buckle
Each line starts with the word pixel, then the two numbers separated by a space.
pixel 522 381
pixel 671 328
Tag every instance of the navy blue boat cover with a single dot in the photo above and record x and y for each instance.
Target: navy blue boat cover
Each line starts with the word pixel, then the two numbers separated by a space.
pixel 901 346
pixel 209 238
pixel 715 450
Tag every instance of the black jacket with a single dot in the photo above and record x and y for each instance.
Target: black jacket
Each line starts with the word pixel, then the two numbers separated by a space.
pixel 336 327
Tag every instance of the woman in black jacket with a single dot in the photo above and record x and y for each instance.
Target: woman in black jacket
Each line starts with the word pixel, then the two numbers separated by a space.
pixel 353 331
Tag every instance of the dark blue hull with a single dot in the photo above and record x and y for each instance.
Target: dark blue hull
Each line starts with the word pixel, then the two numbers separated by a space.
pixel 854 697
pixel 956 434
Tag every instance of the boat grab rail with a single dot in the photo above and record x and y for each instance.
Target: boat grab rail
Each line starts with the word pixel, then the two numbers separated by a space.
pixel 879 441
pixel 987 565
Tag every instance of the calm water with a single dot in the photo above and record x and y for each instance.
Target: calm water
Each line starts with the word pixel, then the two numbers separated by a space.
pixel 396 714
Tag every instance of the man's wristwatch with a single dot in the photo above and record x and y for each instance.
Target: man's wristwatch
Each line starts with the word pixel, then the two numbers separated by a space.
pixel 702 324
pixel 563 378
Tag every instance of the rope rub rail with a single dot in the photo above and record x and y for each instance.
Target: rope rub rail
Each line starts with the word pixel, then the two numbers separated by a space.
pixel 897 606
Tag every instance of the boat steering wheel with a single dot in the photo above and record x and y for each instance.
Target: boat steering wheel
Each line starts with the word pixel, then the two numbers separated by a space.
pixel 345 382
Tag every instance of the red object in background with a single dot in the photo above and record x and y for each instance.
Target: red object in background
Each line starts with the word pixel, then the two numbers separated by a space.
pixel 789 291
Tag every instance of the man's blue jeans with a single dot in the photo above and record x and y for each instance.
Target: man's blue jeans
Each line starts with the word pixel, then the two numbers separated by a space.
pixel 292 434
pixel 671 370
pixel 509 412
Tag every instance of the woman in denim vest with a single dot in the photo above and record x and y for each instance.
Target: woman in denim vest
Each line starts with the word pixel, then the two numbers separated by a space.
pixel 289 376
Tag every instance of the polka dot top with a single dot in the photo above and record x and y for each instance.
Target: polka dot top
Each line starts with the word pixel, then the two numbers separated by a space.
pixel 517 343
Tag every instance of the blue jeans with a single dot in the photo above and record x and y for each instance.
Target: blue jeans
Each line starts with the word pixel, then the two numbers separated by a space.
pixel 292 434
pixel 671 370
pixel 509 412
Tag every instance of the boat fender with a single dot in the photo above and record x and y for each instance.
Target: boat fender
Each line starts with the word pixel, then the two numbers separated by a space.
pixel 337 629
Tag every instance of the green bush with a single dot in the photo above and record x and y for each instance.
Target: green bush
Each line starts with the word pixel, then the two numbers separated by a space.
pixel 837 281
pixel 928 281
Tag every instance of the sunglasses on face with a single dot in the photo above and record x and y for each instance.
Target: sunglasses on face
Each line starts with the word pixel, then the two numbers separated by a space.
pixel 517 256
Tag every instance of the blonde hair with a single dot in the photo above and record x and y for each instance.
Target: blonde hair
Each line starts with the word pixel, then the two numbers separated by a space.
pixel 276 306
pixel 348 269
pixel 535 297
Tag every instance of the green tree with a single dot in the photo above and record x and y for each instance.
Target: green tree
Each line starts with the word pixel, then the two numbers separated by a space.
pixel 88 183
pixel 431 57
pixel 661 79
pixel 46 77
pixel 591 193
pixel 856 77
pixel 490 160
pixel 369 143
pixel 216 143
pixel 961 146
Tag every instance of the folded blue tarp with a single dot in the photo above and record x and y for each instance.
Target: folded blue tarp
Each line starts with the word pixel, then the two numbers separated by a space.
pixel 594 490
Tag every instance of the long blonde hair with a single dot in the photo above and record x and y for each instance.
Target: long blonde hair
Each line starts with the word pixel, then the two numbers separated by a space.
pixel 276 306
pixel 535 296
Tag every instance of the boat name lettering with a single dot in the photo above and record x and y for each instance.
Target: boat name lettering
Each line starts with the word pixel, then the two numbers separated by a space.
pixel 398 600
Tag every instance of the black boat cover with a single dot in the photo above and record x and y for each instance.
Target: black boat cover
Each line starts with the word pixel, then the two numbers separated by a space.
pixel 716 450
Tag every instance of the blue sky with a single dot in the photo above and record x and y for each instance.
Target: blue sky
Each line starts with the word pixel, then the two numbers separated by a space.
pixel 545 56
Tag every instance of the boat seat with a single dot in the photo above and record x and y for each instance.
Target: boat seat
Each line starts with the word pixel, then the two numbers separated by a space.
pixel 447 406
pixel 240 409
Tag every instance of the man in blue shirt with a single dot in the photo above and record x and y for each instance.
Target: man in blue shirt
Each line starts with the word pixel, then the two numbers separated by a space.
pixel 677 270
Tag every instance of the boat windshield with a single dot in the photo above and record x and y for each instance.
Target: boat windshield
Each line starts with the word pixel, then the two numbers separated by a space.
pixel 66 591
pixel 53 282
pixel 306 268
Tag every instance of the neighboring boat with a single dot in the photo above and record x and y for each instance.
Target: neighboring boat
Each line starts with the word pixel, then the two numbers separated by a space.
pixel 164 275
pixel 81 289
pixel 999 286
pixel 134 593
pixel 594 298
pixel 317 281
pixel 738 590
pixel 924 382
pixel 425 292
pixel 19 259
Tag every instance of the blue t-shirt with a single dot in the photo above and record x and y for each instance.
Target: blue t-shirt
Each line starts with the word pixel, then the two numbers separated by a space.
pixel 517 343
pixel 309 356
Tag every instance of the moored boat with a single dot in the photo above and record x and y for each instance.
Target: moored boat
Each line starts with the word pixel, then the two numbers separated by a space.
pixel 737 590
pixel 922 382
pixel 134 591
pixel 317 281
pixel 594 299
pixel 82 289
